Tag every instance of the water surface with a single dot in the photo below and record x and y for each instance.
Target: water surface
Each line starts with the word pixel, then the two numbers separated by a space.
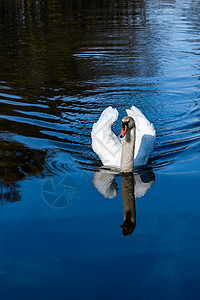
pixel 62 64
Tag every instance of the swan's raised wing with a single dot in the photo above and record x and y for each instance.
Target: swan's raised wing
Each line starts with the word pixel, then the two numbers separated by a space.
pixel 104 142
pixel 145 136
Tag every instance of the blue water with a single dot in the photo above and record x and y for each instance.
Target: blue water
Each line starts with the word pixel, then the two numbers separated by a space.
pixel 62 64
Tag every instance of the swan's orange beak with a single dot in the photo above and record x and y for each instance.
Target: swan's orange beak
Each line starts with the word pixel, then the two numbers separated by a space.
pixel 123 131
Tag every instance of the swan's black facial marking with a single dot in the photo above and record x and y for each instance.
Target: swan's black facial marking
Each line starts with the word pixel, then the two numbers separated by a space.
pixel 124 128
pixel 125 124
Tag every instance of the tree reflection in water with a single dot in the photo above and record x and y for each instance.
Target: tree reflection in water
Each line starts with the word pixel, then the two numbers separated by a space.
pixel 9 191
pixel 17 162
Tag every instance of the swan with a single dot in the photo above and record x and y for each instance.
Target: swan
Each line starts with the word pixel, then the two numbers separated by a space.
pixel 135 146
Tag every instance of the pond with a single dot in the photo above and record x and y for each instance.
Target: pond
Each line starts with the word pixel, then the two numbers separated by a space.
pixel 61 214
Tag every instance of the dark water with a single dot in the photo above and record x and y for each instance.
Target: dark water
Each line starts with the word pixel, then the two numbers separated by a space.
pixel 62 63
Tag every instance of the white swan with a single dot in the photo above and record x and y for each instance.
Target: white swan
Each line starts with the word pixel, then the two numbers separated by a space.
pixel 138 139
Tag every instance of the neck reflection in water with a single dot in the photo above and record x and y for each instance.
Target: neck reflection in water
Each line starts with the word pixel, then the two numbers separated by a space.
pixel 128 199
pixel 132 186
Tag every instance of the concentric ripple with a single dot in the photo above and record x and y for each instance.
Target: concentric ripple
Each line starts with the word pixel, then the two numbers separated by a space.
pixel 57 76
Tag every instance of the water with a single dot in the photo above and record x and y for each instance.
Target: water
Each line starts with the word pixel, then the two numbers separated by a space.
pixel 62 64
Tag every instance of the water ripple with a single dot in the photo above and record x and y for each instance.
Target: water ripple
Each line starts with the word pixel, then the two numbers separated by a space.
pixel 58 77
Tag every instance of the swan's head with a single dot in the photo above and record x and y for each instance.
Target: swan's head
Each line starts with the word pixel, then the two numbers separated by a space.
pixel 127 124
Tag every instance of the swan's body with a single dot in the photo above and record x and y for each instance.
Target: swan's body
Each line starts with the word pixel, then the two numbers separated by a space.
pixel 136 146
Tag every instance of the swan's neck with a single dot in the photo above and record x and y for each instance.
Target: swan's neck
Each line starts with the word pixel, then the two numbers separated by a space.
pixel 128 147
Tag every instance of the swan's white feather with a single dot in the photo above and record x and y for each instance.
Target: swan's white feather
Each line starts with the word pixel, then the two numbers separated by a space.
pixel 104 142
pixel 145 136
pixel 109 147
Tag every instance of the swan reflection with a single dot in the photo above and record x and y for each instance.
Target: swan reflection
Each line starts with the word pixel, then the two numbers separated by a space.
pixel 132 186
pixel 104 182
pixel 128 199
